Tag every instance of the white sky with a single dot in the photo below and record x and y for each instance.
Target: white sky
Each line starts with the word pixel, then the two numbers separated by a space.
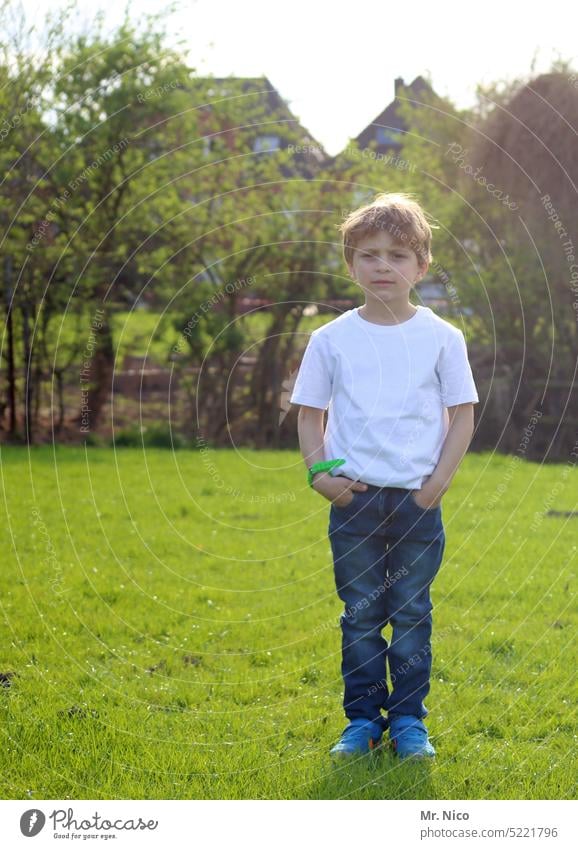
pixel 335 62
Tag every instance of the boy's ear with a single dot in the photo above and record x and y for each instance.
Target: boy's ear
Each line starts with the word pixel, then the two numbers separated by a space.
pixel 423 267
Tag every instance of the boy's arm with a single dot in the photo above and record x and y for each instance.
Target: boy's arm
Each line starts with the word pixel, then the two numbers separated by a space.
pixel 457 441
pixel 311 432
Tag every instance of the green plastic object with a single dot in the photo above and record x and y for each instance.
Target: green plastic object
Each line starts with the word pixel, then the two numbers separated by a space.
pixel 325 466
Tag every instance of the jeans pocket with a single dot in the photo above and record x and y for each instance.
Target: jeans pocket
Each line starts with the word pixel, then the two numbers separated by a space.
pixel 419 507
pixel 354 492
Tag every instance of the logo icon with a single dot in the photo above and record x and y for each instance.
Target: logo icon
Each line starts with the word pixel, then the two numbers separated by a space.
pixel 32 822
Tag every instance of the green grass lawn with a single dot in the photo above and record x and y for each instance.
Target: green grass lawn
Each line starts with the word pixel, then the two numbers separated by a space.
pixel 170 630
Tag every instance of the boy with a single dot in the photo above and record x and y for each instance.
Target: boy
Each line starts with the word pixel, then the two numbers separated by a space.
pixel 400 393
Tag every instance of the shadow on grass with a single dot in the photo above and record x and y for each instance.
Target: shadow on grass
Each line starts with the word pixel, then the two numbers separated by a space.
pixel 379 775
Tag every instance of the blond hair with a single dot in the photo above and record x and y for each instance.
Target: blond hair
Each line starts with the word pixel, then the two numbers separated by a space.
pixel 396 212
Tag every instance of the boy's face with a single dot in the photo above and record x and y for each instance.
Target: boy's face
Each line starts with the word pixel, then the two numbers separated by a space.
pixel 385 269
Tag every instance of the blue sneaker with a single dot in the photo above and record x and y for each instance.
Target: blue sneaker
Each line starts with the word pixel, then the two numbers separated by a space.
pixel 409 737
pixel 360 736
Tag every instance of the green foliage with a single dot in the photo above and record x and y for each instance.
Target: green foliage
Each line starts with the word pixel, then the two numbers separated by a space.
pixel 127 177
pixel 149 436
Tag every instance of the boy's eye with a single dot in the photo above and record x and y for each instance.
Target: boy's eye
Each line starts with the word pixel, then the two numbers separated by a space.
pixel 372 256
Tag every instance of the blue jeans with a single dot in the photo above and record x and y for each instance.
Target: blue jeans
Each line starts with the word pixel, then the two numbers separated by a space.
pixel 386 552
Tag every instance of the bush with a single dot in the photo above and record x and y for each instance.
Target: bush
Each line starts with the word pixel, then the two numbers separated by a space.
pixel 94 440
pixel 152 436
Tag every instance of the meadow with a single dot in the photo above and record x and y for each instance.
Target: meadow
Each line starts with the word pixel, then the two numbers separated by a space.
pixel 170 631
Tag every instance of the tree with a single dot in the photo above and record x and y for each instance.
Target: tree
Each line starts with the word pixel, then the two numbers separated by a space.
pixel 484 173
pixel 24 76
pixel 124 119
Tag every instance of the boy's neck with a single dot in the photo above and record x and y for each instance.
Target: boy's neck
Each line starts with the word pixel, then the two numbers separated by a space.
pixel 379 313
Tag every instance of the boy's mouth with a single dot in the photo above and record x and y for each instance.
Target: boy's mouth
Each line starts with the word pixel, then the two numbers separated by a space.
pixel 382 283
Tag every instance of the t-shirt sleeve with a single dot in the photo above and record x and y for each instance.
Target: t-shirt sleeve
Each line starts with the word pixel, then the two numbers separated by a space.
pixel 313 386
pixel 455 373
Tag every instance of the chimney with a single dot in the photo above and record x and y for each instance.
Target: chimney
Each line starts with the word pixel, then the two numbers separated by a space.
pixel 398 84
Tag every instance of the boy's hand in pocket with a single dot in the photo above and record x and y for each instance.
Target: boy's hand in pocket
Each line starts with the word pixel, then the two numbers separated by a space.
pixel 430 495
pixel 337 488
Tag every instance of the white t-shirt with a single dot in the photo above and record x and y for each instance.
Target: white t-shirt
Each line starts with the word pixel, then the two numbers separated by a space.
pixel 386 387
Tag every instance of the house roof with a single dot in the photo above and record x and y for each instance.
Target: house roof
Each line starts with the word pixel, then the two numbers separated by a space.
pixel 312 154
pixel 382 131
pixel 389 119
